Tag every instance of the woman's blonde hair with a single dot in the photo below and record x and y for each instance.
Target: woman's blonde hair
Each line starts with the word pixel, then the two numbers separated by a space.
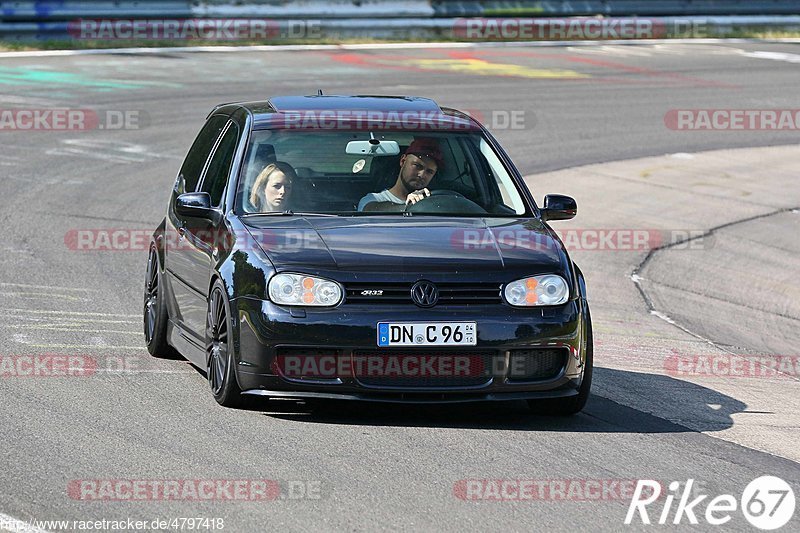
pixel 263 179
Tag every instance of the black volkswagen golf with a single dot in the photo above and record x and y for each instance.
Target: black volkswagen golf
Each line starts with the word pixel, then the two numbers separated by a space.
pixel 365 248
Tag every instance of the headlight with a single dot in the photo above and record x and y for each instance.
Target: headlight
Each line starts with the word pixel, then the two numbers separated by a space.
pixel 537 290
pixel 298 289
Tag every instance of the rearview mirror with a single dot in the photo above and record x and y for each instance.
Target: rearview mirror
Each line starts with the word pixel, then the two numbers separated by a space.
pixel 373 147
pixel 558 207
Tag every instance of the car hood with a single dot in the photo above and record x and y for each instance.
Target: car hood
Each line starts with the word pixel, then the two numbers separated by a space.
pixel 383 244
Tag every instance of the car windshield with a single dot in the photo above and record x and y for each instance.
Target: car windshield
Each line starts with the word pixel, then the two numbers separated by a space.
pixel 372 172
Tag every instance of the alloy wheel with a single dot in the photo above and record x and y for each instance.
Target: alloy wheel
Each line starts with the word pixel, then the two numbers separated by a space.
pixel 151 295
pixel 217 344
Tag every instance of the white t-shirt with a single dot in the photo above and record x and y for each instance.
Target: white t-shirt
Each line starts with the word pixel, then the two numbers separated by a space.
pixel 383 196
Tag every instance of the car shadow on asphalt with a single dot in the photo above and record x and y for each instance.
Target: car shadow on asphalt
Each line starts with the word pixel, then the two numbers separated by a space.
pixel 667 398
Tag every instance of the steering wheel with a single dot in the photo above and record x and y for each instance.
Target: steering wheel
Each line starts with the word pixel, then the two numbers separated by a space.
pixel 442 201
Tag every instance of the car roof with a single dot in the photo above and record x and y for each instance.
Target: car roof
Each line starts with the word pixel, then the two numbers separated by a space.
pixel 412 110
pixel 365 103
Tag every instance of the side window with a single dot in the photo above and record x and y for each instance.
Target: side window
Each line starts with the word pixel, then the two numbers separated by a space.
pixel 198 153
pixel 219 167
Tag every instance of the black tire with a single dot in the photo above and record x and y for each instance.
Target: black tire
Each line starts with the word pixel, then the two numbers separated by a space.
pixel 219 357
pixel 573 404
pixel 155 310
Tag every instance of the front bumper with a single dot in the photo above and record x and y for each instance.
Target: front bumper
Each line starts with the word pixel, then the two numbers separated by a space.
pixel 265 331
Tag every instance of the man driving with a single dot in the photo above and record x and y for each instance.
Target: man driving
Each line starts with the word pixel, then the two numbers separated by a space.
pixel 417 167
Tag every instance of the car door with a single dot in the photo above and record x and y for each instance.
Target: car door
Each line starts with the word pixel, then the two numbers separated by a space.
pixel 181 254
pixel 201 235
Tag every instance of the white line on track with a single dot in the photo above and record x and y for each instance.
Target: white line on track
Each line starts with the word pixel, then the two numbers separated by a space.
pixel 48 287
pixel 140 371
pixel 37 296
pixel 81 313
pixel 79 328
pixel 72 321
pixel 85 346
pixel 79 152
pixel 777 56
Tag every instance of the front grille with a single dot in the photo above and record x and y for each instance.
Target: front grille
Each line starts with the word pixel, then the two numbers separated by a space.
pixel 536 364
pixel 450 293
pixel 424 369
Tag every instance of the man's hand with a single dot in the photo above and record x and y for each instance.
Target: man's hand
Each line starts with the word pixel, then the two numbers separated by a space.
pixel 416 196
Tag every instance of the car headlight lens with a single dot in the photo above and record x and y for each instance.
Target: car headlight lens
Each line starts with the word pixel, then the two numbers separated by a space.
pixel 298 289
pixel 537 290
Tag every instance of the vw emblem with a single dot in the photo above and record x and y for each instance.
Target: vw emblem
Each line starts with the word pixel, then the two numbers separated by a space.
pixel 424 294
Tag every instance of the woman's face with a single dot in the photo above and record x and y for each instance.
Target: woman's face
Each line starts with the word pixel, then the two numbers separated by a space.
pixel 277 192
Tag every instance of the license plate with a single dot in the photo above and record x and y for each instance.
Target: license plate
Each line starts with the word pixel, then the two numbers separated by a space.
pixel 427 333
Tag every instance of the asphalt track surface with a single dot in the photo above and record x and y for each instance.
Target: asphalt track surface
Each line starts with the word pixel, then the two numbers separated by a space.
pixel 374 467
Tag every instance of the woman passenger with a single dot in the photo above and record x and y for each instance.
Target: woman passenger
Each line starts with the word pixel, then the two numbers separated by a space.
pixel 273 188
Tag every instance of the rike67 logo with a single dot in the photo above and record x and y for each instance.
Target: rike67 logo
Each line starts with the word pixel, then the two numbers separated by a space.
pixel 767 502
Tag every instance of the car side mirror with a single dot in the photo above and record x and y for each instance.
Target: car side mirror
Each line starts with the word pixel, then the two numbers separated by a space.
pixel 558 207
pixel 196 205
